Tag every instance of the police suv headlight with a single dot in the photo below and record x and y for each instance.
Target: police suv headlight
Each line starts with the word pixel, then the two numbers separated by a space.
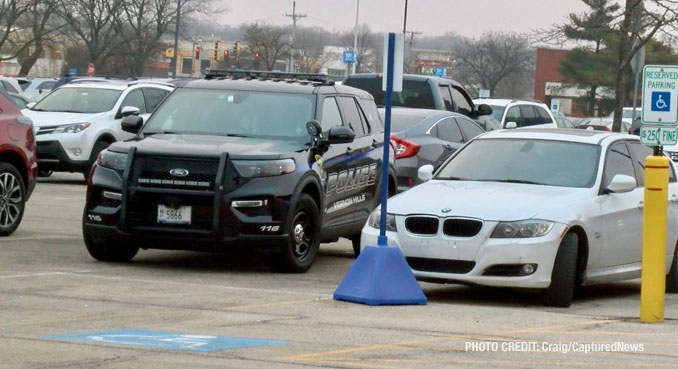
pixel 264 168
pixel 112 160
pixel 72 128
pixel 522 229
pixel 375 218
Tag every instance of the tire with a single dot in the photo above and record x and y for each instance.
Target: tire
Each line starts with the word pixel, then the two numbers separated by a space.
pixel 672 277
pixel 564 274
pixel 99 146
pixel 355 240
pixel 301 250
pixel 12 199
pixel 112 250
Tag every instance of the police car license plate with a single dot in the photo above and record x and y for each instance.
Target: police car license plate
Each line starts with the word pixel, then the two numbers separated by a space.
pixel 180 215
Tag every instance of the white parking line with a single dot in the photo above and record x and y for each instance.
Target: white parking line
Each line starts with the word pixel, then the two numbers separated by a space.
pixel 40 274
pixel 318 295
pixel 37 238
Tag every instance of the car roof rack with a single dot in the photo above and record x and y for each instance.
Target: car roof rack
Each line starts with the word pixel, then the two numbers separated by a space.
pixel 268 75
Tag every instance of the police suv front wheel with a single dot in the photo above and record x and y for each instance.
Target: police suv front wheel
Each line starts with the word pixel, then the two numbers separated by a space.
pixel 110 250
pixel 299 253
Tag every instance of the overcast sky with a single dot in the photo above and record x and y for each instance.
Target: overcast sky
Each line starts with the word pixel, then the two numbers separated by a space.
pixel 432 17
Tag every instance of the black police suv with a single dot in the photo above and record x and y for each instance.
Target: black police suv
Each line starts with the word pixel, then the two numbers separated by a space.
pixel 269 161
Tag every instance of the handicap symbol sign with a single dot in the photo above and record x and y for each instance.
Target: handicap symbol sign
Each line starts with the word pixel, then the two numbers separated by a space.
pixel 661 101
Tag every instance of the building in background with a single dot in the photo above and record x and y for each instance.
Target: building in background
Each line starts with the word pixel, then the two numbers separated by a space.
pixel 552 88
pixel 427 62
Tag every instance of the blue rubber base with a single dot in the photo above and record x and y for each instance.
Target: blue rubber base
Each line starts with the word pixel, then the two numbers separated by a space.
pixel 380 276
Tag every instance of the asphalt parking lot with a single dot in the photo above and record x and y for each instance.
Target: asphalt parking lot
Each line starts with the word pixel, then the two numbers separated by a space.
pixel 61 309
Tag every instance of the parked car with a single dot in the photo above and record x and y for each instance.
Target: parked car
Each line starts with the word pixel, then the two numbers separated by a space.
pixel 255 163
pixel 532 208
pixel 520 113
pixel 423 92
pixel 627 114
pixel 19 100
pixel 77 121
pixel 9 84
pixel 18 166
pixel 602 124
pixel 34 89
pixel 425 136
pixel 562 121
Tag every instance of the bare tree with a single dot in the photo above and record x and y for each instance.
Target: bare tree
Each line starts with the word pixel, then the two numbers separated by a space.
pixel 40 28
pixel 309 43
pixel 641 20
pixel 367 43
pixel 11 12
pixel 493 57
pixel 270 42
pixel 98 24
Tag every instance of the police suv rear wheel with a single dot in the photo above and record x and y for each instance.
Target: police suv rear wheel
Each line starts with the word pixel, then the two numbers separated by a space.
pixel 300 252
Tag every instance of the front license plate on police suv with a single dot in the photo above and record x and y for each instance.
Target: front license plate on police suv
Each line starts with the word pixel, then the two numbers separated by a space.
pixel 179 215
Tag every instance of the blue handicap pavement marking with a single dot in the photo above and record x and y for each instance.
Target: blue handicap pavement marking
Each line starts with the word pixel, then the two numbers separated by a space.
pixel 661 101
pixel 164 340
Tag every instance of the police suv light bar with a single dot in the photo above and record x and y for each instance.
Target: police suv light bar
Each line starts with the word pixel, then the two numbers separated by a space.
pixel 261 74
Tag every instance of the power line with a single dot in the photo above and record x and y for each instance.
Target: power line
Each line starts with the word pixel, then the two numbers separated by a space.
pixel 294 16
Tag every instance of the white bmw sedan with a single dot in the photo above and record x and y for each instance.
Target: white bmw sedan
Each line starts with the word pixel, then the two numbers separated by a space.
pixel 532 208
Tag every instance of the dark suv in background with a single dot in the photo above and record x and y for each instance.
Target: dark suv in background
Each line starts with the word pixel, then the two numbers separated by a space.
pixel 18 166
pixel 425 92
pixel 268 161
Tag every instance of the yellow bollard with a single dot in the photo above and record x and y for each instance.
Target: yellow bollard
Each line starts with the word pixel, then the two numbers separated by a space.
pixel 653 276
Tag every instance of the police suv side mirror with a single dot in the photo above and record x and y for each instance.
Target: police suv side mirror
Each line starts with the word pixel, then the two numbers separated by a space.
pixel 132 123
pixel 340 135
pixel 484 109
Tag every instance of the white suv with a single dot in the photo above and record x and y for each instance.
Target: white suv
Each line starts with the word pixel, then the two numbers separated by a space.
pixel 78 120
pixel 521 112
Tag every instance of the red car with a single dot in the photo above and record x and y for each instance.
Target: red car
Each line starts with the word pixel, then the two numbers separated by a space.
pixel 18 165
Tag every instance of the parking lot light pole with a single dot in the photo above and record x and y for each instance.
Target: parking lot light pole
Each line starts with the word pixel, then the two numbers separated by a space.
pixel 653 274
pixel 176 40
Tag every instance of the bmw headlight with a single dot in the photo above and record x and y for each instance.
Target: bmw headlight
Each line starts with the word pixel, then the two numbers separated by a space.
pixel 264 168
pixel 375 218
pixel 72 128
pixel 522 229
pixel 112 160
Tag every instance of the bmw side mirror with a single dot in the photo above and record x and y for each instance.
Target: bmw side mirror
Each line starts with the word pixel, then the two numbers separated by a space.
pixel 132 123
pixel 511 125
pixel 126 111
pixel 484 109
pixel 425 172
pixel 621 183
pixel 340 135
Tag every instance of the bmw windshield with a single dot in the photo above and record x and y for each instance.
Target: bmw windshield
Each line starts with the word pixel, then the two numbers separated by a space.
pixel 79 100
pixel 234 113
pixel 529 161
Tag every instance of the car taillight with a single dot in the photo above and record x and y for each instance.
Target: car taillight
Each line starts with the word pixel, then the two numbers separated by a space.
pixel 405 148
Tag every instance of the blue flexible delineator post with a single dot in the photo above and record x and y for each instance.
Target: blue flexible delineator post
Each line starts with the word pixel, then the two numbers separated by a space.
pixel 383 240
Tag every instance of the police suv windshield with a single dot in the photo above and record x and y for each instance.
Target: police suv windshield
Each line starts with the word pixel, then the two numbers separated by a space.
pixel 234 113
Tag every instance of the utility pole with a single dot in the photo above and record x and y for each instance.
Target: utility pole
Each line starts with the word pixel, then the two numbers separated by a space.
pixel 409 48
pixel 176 40
pixel 355 35
pixel 405 19
pixel 294 16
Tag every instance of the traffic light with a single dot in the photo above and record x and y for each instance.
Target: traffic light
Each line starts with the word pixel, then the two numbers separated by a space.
pixel 197 52
pixel 236 49
pixel 216 50
pixel 226 53
pixel 256 56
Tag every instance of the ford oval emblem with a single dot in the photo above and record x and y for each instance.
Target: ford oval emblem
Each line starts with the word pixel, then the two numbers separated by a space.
pixel 179 172
pixel 446 210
